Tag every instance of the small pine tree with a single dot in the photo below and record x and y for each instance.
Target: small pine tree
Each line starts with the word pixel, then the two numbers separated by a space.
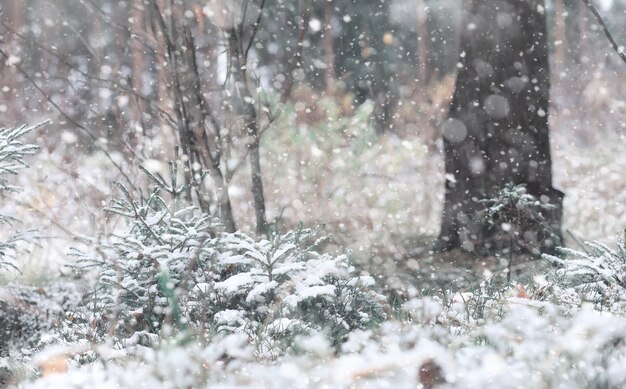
pixel 596 273
pixel 516 221
pixel 16 325
pixel 169 267
pixel 12 154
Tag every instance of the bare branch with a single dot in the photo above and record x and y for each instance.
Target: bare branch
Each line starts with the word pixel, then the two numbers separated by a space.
pixel 618 49
pixel 71 120
pixel 108 82
pixel 255 28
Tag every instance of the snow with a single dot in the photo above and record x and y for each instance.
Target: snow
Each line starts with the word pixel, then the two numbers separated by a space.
pixel 237 283
pixel 314 291
pixel 140 283
pixel 259 290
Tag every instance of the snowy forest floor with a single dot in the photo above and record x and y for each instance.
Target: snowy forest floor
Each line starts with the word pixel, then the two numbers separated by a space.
pixel 381 200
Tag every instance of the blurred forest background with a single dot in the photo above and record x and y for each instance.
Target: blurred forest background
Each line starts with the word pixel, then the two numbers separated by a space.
pixel 310 111
pixel 228 124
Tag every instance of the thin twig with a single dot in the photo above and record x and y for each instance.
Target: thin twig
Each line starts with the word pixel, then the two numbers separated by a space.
pixel 71 120
pixel 112 84
pixel 107 18
pixel 579 242
pixel 618 49
pixel 255 28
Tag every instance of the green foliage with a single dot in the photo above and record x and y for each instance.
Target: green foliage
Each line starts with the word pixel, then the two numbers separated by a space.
pixel 597 275
pixel 283 287
pixel 159 243
pixel 167 267
pixel 516 217
pixel 484 335
pixel 12 154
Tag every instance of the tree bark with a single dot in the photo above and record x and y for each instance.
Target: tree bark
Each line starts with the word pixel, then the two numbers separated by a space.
pixel 560 38
pixel 422 41
pixel 205 146
pixel 497 130
pixel 295 61
pixel 192 114
pixel 138 65
pixel 16 22
pixel 238 57
pixel 329 48
pixel 572 29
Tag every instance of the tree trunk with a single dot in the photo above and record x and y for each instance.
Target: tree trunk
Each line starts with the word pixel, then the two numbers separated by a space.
pixel 422 42
pixel 16 21
pixel 572 29
pixel 205 147
pixel 560 39
pixel 295 60
pixel 329 48
pixel 138 66
pixel 497 130
pixel 238 55
pixel 192 114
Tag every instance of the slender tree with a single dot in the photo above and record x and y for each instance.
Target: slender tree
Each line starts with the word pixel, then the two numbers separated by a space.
pixel 560 37
pixel 238 57
pixel 422 41
pixel 497 130
pixel 329 47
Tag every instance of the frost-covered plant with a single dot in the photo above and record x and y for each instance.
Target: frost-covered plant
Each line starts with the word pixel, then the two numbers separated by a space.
pixel 518 217
pixel 529 345
pixel 483 299
pixel 12 154
pixel 13 320
pixel 278 288
pixel 597 274
pixel 138 267
pixel 516 223
pixel 169 267
pixel 488 335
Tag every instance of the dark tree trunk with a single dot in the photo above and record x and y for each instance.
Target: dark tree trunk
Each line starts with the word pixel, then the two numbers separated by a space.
pixel 497 131
pixel 329 48
pixel 560 36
